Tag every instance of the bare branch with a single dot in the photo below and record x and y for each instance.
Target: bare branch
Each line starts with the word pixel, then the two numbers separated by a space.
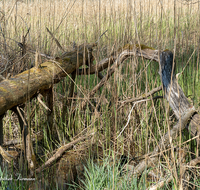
pixel 57 42
pixel 144 96
pixel 165 141
pixel 160 184
pixel 60 152
pixel 41 102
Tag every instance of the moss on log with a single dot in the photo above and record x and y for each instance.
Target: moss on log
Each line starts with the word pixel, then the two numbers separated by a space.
pixel 20 88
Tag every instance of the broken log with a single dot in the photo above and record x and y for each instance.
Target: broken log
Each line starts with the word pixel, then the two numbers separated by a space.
pixel 61 151
pixel 173 92
pixel 164 142
pixel 179 104
pixel 18 89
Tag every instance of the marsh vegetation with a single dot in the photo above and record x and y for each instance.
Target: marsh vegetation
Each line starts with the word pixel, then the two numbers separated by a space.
pixel 117 139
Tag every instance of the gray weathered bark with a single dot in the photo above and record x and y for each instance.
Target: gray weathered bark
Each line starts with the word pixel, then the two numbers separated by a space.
pixel 173 92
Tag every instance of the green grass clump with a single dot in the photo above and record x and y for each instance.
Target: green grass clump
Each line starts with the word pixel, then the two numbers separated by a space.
pixel 106 175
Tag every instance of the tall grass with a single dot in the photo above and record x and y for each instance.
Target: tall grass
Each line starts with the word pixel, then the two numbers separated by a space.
pixel 163 24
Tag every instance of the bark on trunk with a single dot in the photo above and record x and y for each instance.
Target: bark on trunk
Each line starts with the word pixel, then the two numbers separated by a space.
pixel 173 92
pixel 18 89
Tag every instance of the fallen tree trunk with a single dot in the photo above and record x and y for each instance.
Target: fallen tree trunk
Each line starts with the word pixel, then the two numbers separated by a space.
pixel 20 88
pixel 174 94
pixel 164 142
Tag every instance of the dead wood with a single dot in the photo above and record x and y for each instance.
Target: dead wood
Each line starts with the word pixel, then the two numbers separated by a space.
pixel 15 91
pixel 60 152
pixel 94 69
pixel 116 59
pixel 25 85
pixel 164 142
pixel 18 89
pixel 144 96
pixel 41 102
pixel 6 156
pixel 103 64
pixel 57 42
pixel 122 56
pixel 30 155
pixel 173 92
pixel 161 183
pixel 134 50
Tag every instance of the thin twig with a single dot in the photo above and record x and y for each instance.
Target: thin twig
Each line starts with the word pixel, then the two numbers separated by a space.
pixel 21 115
pixel 57 42
pixel 41 102
pixel 101 36
pixel 129 115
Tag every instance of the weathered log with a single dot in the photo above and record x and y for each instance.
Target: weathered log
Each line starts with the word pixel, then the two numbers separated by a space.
pixel 173 92
pixel 18 89
pixel 177 100
pixel 164 142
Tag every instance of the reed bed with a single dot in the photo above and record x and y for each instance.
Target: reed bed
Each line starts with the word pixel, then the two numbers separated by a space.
pixel 161 24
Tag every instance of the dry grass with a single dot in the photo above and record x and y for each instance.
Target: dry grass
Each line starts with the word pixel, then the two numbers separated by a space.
pixel 162 24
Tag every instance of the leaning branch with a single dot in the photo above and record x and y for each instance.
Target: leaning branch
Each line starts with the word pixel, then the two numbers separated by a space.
pixel 165 141
pixel 173 92
pixel 133 50
pixel 61 151
pixel 144 96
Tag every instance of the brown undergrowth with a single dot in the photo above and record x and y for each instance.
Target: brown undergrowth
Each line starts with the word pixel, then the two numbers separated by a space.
pixel 117 131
